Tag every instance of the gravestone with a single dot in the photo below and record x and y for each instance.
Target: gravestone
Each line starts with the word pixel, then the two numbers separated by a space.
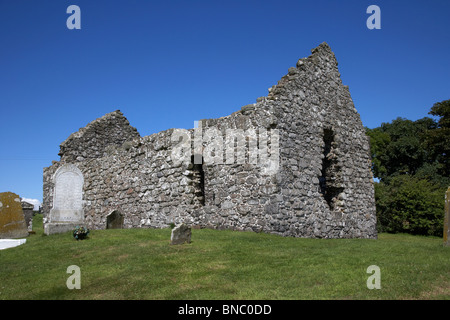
pixel 12 220
pixel 447 219
pixel 28 214
pixel 67 211
pixel 114 220
pixel 180 234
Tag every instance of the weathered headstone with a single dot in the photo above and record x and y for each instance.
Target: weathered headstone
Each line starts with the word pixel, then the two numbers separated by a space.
pixel 28 214
pixel 180 234
pixel 114 220
pixel 67 211
pixel 447 219
pixel 12 220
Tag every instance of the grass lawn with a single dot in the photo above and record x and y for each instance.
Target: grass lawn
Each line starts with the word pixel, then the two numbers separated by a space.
pixel 141 264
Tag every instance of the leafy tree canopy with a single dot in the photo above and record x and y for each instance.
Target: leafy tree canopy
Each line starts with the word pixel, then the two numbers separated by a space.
pixel 438 140
pixel 411 161
pixel 399 147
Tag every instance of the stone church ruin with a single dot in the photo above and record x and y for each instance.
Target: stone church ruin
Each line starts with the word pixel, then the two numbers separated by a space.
pixel 296 164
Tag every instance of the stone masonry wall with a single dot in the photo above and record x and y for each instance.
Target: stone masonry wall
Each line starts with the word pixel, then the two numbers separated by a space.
pixel 322 188
pixel 325 179
pixel 92 140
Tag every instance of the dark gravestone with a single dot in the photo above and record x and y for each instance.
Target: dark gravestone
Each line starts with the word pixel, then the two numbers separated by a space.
pixel 180 234
pixel 114 220
pixel 28 213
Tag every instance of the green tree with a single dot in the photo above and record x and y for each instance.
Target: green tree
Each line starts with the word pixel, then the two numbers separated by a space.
pixel 411 161
pixel 438 140
pixel 379 141
pixel 411 205
pixel 398 147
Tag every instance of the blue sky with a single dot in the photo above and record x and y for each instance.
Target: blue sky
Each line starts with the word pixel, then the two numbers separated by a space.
pixel 165 64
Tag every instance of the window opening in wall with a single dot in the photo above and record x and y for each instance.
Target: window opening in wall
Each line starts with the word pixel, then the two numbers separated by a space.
pixel 329 181
pixel 198 179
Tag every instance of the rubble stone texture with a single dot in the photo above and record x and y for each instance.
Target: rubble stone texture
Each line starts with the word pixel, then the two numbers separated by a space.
pixel 92 140
pixel 12 219
pixel 323 187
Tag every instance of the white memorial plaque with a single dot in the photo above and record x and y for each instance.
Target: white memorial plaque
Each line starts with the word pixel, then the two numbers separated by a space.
pixel 68 195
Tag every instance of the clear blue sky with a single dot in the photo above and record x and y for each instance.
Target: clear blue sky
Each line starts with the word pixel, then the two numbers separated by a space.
pixel 165 64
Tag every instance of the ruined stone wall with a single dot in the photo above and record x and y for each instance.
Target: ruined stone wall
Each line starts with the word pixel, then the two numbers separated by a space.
pixel 92 140
pixel 325 177
pixel 322 187
pixel 136 179
pixel 142 182
pixel 238 195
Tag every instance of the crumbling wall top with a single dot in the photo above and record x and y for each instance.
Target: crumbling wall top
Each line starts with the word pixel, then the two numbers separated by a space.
pixel 92 140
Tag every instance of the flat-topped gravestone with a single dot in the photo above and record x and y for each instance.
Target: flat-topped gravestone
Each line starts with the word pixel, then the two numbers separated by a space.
pixel 180 234
pixel 28 214
pixel 12 220
pixel 67 211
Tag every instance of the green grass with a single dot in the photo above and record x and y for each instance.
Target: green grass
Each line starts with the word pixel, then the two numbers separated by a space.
pixel 141 264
